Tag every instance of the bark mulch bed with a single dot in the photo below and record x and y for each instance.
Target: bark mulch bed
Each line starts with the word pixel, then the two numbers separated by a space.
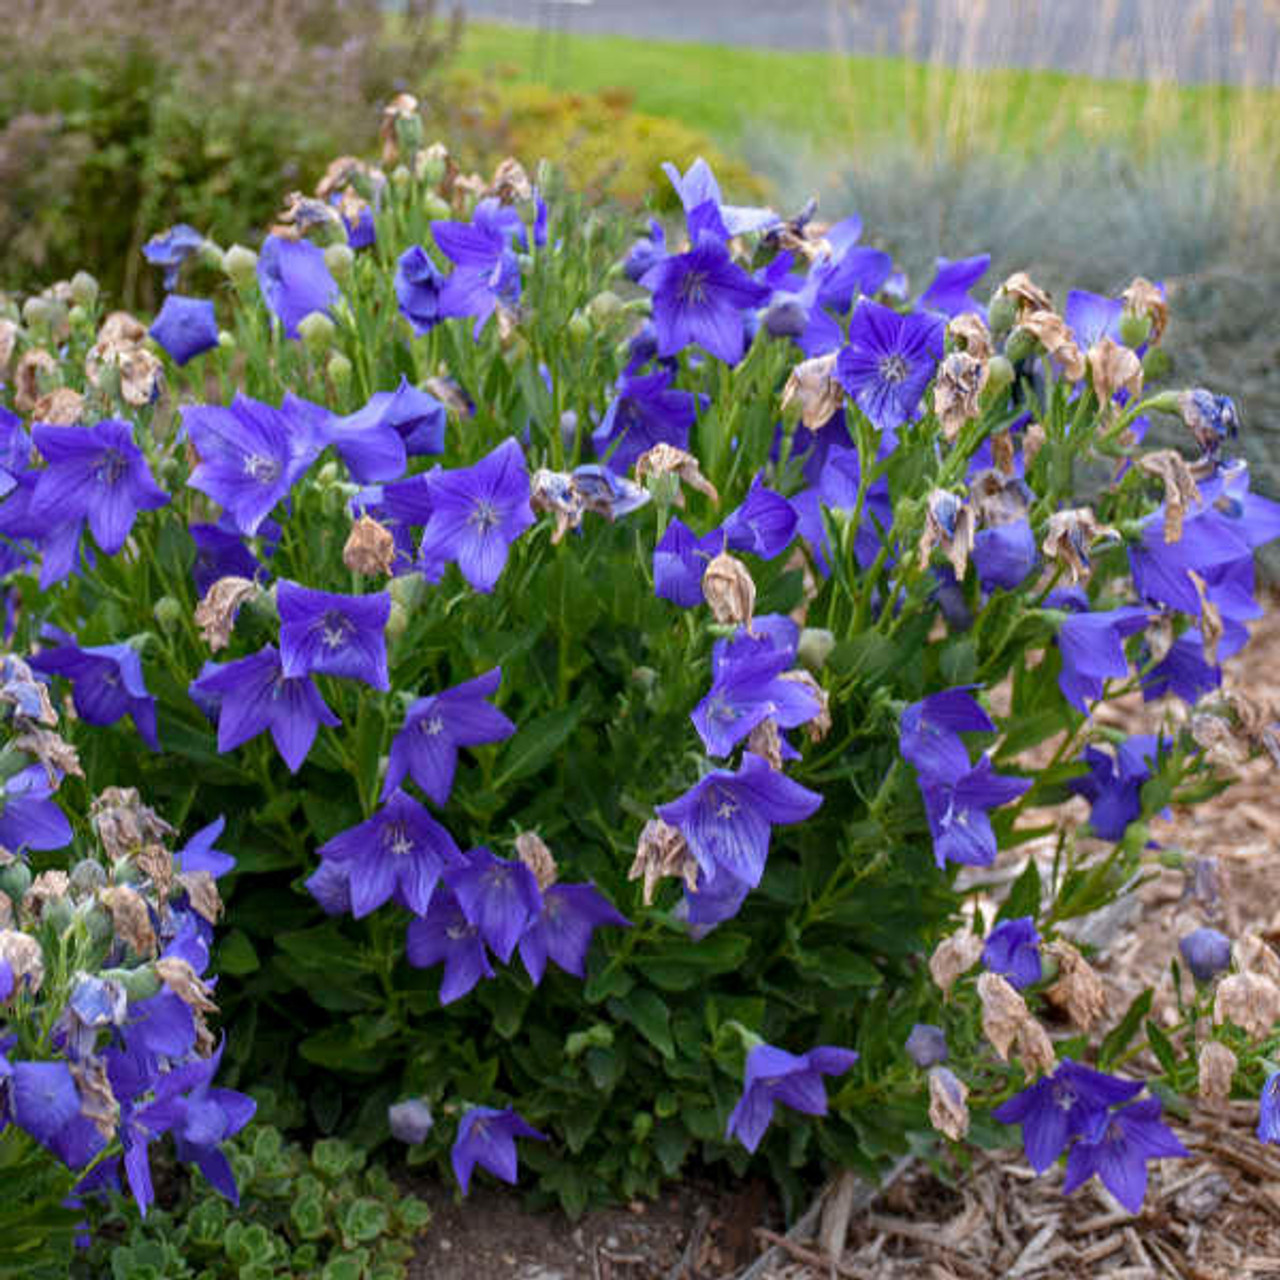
pixel 1215 1216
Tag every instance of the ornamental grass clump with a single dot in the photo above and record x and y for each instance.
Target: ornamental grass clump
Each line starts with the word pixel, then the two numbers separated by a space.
pixel 622 665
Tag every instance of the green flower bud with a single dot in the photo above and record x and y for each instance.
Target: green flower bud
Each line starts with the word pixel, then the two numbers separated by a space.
pixel 15 880
pixel 641 1125
pixel 168 612
pixel 999 374
pixel 241 265
pixel 814 647
pixel 397 621
pixel 409 133
pixel 226 340
pixel 1020 345
pixel 210 256
pixel 1002 314
pixel 84 289
pixel 430 167
pixel 638 306
pixel 77 316
pixel 59 915
pixel 40 313
pixel 604 307
pixel 340 258
pixel 138 984
pixel 87 876
pixel 97 922
pixel 401 177
pixel 339 370
pixel 1134 329
pixel 1156 364
pixel 436 208
pixel 409 590
pixel 263 606
pixel 579 327
pixel 329 474
pixel 317 332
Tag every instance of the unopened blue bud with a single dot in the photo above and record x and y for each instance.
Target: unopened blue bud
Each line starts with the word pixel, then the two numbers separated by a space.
pixel 411 1121
pixel 926 1045
pixel 1207 952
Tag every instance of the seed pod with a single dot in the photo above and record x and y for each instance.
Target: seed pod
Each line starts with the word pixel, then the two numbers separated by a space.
pixel 370 549
pixel 1217 1066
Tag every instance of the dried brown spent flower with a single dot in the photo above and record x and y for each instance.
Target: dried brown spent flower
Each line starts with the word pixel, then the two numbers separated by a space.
pixel 1078 989
pixel 667 460
pixel 1254 955
pixel 1002 453
pixel 202 891
pixel 1004 1012
pixel 960 380
pixel 1216 737
pixel 1250 1000
pixel 140 373
pixel 178 975
pixel 216 614
pixel 1034 1047
pixel 130 919
pixel 1033 439
pixel 999 498
pixel 556 492
pixel 121 327
pixel 765 740
pixel 1142 298
pixel 1050 330
pixel 98 1102
pixel 820 725
pixel 23 955
pixel 48 886
pixel 1113 368
pixel 813 383
pixel 728 588
pixel 339 174
pixel 953 957
pixel 970 332
pixel 1026 294
pixel 156 863
pixel 948 1105
pixel 949 523
pixel 8 341
pixel 661 852
pixel 124 824
pixel 36 369
pixel 1211 628
pixel 1070 536
pixel 404 106
pixel 370 549
pixel 60 408
pixel 6 912
pixel 535 855
pixel 1217 1069
pixel 1180 488
pixel 510 182
pixel 302 214
pixel 52 750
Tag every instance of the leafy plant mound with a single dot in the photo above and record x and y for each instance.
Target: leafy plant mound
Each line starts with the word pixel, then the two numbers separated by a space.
pixel 621 666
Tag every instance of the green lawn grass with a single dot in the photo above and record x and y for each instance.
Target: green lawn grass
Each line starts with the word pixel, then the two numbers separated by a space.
pixel 857 102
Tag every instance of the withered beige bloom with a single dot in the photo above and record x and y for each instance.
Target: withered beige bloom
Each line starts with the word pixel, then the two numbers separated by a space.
pixel 728 588
pixel 130 919
pixel 202 891
pixel 533 852
pixel 510 182
pixel 1113 368
pixel 970 332
pixel 813 383
pixel 140 373
pixel 121 327
pixel 33 377
pixel 1078 989
pixel 98 1102
pixel 765 740
pixel 959 383
pixel 1217 1068
pixel 948 1105
pixel 52 750
pixel 817 728
pixel 1034 1047
pixel 23 955
pixel 667 460
pixel 404 106
pixel 1142 298
pixel 1050 330
pixel 449 394
pixel 124 824
pixel 341 172
pixel 953 957
pixel 1250 1000
pixel 48 886
pixel 1004 1012
pixel 178 975
pixel 370 549
pixel 661 852
pixel 1026 294
pixel 61 408
pixel 1002 454
pixel 1070 536
pixel 949 523
pixel 156 863
pixel 8 341
pixel 1033 439
pixel 999 498
pixel 556 492
pixel 215 615
pixel 1180 488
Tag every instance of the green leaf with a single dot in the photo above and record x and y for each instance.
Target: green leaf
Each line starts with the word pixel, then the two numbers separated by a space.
pixel 364 1220
pixel 1162 1047
pixel 681 965
pixel 648 1013
pixel 537 742
pixel 235 955
pixel 1024 896
pixel 1117 1039
pixel 837 967
pixel 671 1143
pixel 325 949
pixel 959 662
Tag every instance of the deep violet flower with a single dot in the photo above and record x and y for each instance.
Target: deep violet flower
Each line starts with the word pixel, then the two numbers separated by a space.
pixel 948 291
pixel 417 417
pixel 957 807
pixel 1269 1109
pixel 727 817
pixel 1114 787
pixel 418 282
pixel 185 327
pixel 1131 1136
pixel 253 694
pixel 1073 1102
pixel 486 270
pixel 764 524
pixel 487 1137
pixel 926 1045
pixel 426 747
pixel 747 691
pixel 1092 648
pixel 30 819
pixel 773 1076
pixel 679 561
pixel 251 455
pixel 562 931
pixel 445 935
pixel 199 854
pixel 95 473
pixel 325 633
pixel 929 732
pixel 1207 953
pixel 477 512
pixel 171 248
pixel 1013 950
pixel 221 553
pixel 644 411
pixel 889 360
pixel 699 298
pixel 1091 317
pixel 295 280
pixel 106 684
pixel 1005 555
pixel 699 194
pixel 402 849
pixel 499 896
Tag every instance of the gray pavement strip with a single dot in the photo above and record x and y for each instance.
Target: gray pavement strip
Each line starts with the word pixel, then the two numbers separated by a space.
pixel 1193 41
